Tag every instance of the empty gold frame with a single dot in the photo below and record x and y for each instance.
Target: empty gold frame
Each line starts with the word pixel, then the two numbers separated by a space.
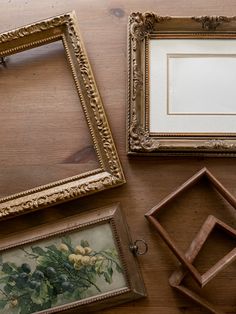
pixel 109 174
pixel 181 98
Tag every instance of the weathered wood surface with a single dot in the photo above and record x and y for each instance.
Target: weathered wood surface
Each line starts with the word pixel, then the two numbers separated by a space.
pixel 49 140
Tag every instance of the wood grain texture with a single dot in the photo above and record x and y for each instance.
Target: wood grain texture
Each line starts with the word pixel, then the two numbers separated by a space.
pixel 103 26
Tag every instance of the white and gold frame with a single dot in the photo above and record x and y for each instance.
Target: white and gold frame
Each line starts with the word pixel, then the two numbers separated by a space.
pixel 109 172
pixel 181 98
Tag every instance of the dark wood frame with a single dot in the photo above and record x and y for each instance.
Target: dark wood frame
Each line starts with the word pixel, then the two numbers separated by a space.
pixel 142 27
pixel 110 214
pixel 194 249
pixel 109 174
pixel 152 217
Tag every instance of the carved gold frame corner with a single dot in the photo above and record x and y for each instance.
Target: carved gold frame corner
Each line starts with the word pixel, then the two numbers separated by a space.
pixel 109 174
pixel 140 141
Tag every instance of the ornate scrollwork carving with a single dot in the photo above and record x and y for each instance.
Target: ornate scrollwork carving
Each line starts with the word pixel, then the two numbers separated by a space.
pixel 140 27
pixel 34 28
pixel 111 173
pixel 137 79
pixel 95 101
pixel 210 23
pixel 216 144
pixel 48 199
pixel 142 24
pixel 139 138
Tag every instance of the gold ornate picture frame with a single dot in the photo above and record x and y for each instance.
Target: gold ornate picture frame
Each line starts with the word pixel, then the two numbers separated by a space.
pixel 82 263
pixel 109 173
pixel 181 86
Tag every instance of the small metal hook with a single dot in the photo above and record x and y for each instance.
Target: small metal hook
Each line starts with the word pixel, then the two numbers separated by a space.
pixel 135 248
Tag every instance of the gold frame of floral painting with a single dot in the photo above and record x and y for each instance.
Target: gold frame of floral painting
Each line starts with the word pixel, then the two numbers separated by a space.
pixel 63 246
pixel 142 28
pixel 109 174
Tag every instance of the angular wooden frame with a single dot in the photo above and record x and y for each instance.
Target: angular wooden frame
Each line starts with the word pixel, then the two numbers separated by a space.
pixel 189 293
pixel 179 274
pixel 143 27
pixel 109 174
pixel 112 215
pixel 153 219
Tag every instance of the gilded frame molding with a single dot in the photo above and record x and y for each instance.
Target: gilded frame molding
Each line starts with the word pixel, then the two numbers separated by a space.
pixel 141 28
pixel 109 174
pixel 134 287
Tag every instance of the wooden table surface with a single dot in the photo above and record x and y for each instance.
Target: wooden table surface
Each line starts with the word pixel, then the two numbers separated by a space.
pixel 43 138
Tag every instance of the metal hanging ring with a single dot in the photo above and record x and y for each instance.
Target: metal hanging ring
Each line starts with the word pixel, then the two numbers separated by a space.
pixel 135 248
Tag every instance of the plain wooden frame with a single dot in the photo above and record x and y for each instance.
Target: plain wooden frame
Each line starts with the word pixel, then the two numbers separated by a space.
pixel 149 25
pixel 111 214
pixel 153 213
pixel 195 247
pixel 109 174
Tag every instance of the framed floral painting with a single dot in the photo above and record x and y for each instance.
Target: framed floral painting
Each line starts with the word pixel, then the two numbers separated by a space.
pixel 81 262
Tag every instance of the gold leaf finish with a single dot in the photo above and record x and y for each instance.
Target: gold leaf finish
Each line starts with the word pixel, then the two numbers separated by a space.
pixel 211 23
pixel 110 174
pixel 142 28
pixel 34 28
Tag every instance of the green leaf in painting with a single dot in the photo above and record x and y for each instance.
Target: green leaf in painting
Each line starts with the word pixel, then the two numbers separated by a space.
pixel 42 296
pixel 110 271
pixel 38 250
pixel 84 243
pixel 42 261
pixel 111 252
pixel 77 294
pixel 24 304
pixel 107 278
pixel 67 241
pixel 91 274
pixel 4 279
pixel 36 298
pixel 8 289
pixel 3 303
pixel 35 308
pixel 119 269
pixel 44 291
pixel 98 266
pixel 47 305
pixel 53 248
pixel 8 268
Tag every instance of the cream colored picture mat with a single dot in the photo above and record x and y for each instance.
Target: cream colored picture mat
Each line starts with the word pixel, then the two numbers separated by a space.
pixel 192 86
